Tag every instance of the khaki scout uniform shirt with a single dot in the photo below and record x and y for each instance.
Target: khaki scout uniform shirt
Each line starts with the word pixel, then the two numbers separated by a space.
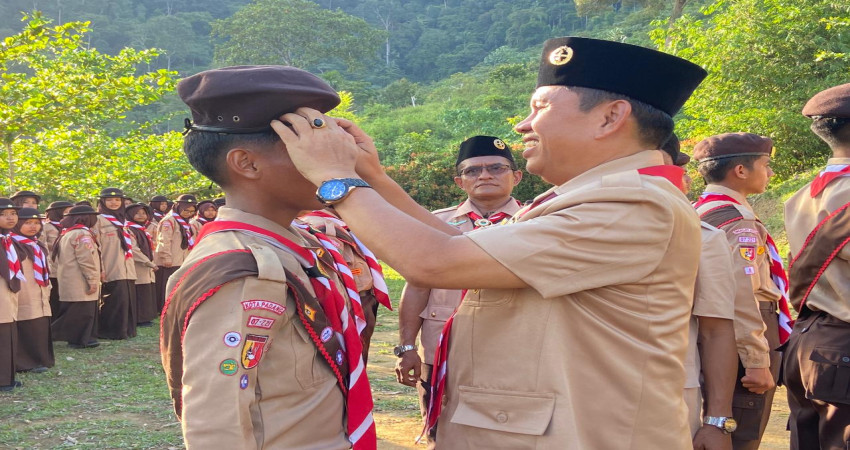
pixel 291 399
pixel 8 302
pixel 33 299
pixel 144 266
pixel 591 355
pixel 115 265
pixel 443 302
pixel 803 213
pixel 747 237
pixel 169 248
pixel 48 237
pixel 77 267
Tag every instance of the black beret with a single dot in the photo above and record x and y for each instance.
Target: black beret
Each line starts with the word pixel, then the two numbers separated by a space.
pixel 159 198
pixel 221 201
pixel 671 147
pixel 81 210
pixel 26 194
pixel 186 198
pixel 832 102
pixel 245 99
pixel 29 213
pixel 59 205
pixel 111 192
pixel 483 146
pixel 5 203
pixel 732 144
pixel 655 78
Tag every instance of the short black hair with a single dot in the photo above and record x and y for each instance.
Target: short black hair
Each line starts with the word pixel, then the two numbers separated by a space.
pixel 655 126
pixel 206 150
pixel 715 170
pixel 835 131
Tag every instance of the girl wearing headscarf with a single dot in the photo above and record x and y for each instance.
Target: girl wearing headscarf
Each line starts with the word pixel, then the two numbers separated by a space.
pixel 10 284
pixel 137 219
pixel 35 347
pixel 76 259
pixel 175 237
pixel 117 318
pixel 26 199
pixel 55 211
pixel 207 212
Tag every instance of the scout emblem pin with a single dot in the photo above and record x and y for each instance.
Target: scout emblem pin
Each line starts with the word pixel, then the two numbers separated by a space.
pixel 561 55
pixel 483 223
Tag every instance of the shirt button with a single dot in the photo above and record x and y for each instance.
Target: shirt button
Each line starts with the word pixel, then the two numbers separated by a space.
pixel 502 417
pixel 433 314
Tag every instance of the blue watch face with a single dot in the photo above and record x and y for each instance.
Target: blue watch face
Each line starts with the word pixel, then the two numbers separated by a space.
pixel 332 190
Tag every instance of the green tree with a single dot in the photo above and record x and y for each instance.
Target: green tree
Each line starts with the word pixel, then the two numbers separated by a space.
pixel 296 33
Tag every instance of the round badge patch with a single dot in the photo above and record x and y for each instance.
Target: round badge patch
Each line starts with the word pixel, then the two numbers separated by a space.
pixel 243 381
pixel 232 339
pixel 339 357
pixel 228 367
pixel 327 334
pixel 498 143
pixel 561 55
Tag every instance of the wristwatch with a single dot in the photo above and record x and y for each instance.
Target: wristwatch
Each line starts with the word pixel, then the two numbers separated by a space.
pixel 335 190
pixel 399 350
pixel 726 424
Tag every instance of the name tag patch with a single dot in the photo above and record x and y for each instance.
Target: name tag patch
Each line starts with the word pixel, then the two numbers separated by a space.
pixel 264 305
pixel 260 322
pixel 747 240
pixel 745 230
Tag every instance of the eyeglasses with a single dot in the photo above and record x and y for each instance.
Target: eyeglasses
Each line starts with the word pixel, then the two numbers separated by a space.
pixel 492 169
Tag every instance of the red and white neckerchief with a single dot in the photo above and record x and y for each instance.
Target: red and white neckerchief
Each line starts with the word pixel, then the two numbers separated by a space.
pixel 479 221
pixel 777 268
pixel 122 226
pixel 39 263
pixel 158 215
pixel 828 174
pixel 203 220
pixel 359 404
pixel 135 225
pixel 186 229
pixel 379 283
pixel 12 258
pixel 55 224
pixel 78 226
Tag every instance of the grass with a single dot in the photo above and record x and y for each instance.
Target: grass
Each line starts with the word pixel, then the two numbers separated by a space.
pixel 115 396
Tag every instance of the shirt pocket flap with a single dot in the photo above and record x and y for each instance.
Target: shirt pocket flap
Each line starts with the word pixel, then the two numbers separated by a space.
pixel 508 411
pixel 434 312
pixel 831 356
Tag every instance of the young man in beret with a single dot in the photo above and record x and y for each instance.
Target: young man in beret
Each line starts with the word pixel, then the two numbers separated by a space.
pixel 487 173
pixel 817 221
pixel 573 331
pixel 259 339
pixel 735 165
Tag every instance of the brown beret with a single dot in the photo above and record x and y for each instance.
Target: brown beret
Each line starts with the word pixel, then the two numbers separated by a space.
pixel 833 102
pixel 732 144
pixel 245 99
pixel 682 159
pixel 655 78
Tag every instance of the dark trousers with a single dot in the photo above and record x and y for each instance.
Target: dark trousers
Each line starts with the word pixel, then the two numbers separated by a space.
pixel 817 377
pixel 145 303
pixel 424 391
pixel 117 316
pixel 8 346
pixel 752 411
pixel 35 345
pixel 77 323
pixel 161 279
pixel 55 305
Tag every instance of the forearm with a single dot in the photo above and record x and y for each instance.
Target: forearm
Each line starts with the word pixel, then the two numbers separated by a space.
pixel 398 198
pixel 719 364
pixel 413 302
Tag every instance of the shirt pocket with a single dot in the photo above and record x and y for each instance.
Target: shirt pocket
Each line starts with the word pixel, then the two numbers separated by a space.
pixel 828 378
pixel 519 413
pixel 310 368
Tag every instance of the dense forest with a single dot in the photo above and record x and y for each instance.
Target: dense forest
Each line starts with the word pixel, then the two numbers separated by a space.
pixel 420 75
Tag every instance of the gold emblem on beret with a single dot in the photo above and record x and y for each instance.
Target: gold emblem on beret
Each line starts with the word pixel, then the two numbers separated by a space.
pixel 499 144
pixel 561 55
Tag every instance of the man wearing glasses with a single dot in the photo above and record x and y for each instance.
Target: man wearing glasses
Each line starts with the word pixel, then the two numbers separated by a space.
pixel 487 172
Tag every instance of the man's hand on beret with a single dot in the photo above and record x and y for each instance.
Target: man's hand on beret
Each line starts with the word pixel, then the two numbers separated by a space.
pixel 320 154
pixel 368 164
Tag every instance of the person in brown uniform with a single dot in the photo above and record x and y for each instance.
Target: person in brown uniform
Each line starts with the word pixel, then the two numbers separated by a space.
pixel 117 316
pixel 573 331
pixel 26 199
pixel 735 165
pixel 487 173
pixel 206 213
pixel 817 222
pixel 55 211
pixel 137 220
pixel 76 258
pixel 10 286
pixel 35 346
pixel 253 325
pixel 174 238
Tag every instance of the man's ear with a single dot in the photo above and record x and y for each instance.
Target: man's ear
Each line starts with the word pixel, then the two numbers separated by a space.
pixel 459 183
pixel 614 116
pixel 241 162
pixel 740 171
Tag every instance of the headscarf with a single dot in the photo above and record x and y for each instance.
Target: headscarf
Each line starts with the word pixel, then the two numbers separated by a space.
pixel 143 238
pixel 119 214
pixel 202 207
pixel 75 217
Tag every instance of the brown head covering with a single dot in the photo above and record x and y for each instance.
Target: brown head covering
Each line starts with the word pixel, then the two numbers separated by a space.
pixel 732 144
pixel 80 214
pixel 202 207
pixel 832 102
pixel 142 237
pixel 183 202
pixel 120 214
pixel 245 99
pixel 55 210
pixel 25 214
pixel 19 197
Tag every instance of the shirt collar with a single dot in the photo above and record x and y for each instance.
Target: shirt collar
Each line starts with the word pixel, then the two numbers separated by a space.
pixel 832 161
pixel 510 207
pixel 718 189
pixel 230 213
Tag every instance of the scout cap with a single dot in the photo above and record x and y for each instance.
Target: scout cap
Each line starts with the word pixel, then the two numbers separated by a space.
pixel 832 102
pixel 483 146
pixel 29 213
pixel 5 203
pixel 159 198
pixel 26 194
pixel 58 205
pixel 652 77
pixel 111 192
pixel 219 202
pixel 186 198
pixel 131 209
pixel 245 99
pixel 80 210
pixel 729 145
